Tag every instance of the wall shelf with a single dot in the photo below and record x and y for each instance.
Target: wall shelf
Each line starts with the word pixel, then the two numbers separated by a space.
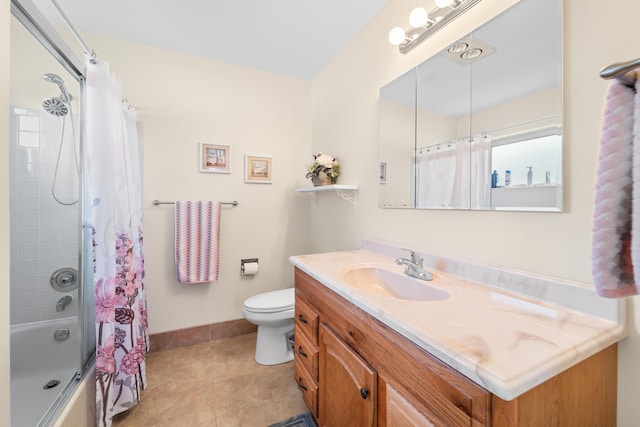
pixel 338 188
pixel 323 188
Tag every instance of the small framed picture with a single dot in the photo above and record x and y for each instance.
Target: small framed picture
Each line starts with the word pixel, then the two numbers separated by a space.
pixel 257 169
pixel 215 158
pixel 383 172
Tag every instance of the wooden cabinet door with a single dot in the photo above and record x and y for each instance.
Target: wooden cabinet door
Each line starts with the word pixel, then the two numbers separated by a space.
pixel 347 385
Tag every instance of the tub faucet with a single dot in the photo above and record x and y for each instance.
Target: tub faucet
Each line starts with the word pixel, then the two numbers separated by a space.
pixel 413 266
pixel 63 302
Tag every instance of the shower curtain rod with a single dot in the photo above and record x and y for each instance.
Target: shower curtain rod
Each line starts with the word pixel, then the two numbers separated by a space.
pixel 75 32
pixel 437 146
pixel 158 202
pixel 623 71
pixel 40 27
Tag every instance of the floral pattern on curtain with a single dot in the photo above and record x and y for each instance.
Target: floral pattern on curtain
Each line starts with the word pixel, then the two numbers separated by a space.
pixel 113 211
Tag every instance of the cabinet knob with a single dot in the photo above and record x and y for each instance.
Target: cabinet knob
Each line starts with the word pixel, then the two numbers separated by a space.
pixel 301 352
pixel 300 386
pixel 302 319
pixel 364 392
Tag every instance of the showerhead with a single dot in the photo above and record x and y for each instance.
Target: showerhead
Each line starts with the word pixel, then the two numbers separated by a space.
pixel 53 78
pixel 55 106
pixel 56 79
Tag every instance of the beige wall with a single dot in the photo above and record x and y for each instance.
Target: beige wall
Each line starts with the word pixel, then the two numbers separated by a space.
pixel 182 100
pixel 4 212
pixel 344 99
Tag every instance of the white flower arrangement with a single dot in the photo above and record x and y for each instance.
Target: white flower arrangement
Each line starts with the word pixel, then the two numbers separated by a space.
pixel 323 164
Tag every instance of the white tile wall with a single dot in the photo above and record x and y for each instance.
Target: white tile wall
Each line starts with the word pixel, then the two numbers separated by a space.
pixel 44 233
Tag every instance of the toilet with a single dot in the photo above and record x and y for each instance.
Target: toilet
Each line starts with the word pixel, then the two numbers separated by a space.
pixel 273 312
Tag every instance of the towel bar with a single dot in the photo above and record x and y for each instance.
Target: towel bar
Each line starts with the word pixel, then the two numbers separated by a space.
pixel 158 202
pixel 623 71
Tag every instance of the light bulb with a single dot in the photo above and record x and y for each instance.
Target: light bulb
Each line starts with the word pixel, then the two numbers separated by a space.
pixel 396 36
pixel 418 17
pixel 443 3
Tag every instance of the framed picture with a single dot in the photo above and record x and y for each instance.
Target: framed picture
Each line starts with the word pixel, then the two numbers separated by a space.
pixel 383 172
pixel 257 169
pixel 215 158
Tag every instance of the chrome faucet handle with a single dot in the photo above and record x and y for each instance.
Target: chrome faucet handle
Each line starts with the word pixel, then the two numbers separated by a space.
pixel 63 302
pixel 415 258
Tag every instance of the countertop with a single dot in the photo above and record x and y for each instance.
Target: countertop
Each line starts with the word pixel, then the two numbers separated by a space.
pixel 507 342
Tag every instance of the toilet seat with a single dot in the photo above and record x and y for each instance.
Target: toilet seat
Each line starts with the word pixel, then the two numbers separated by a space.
pixel 271 302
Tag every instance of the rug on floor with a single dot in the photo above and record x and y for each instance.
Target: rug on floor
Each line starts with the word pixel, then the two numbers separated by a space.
pixel 301 420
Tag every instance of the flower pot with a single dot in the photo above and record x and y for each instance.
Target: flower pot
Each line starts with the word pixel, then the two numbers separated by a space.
pixel 321 179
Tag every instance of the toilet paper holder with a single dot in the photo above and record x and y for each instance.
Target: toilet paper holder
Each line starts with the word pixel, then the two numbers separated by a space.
pixel 249 266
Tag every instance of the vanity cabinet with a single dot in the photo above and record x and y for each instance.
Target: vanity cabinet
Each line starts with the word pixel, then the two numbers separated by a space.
pixel 369 375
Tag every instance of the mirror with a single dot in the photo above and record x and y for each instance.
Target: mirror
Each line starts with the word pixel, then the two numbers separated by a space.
pixel 451 128
pixel 398 141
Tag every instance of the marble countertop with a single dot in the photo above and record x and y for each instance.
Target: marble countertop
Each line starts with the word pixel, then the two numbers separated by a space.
pixel 505 341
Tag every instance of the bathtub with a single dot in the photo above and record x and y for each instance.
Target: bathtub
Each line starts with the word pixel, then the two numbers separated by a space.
pixel 36 359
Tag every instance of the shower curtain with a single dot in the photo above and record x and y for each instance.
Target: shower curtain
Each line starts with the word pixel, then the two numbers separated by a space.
pixel 113 213
pixel 481 172
pixel 443 176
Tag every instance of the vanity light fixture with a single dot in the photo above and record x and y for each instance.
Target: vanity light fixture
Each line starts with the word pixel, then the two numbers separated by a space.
pixel 424 24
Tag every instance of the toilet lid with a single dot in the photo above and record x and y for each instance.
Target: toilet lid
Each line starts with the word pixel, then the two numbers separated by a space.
pixel 272 301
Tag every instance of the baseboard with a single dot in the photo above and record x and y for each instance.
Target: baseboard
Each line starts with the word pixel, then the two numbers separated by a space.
pixel 199 334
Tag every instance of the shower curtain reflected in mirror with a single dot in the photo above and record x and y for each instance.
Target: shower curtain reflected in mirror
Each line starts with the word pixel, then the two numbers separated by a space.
pixel 113 211
pixel 443 175
pixel 455 174
pixel 481 156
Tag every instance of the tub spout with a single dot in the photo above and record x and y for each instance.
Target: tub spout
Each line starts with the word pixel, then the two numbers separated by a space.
pixel 63 302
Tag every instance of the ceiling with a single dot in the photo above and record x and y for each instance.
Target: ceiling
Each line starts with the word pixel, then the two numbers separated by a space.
pixel 297 38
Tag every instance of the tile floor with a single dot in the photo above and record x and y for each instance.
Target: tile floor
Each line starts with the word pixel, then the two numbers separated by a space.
pixel 216 384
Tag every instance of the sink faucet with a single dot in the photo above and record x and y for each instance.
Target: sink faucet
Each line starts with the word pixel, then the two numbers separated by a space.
pixel 63 302
pixel 413 266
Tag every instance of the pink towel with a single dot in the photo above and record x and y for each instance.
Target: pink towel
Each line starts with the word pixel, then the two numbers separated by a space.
pixel 197 241
pixel 635 229
pixel 612 221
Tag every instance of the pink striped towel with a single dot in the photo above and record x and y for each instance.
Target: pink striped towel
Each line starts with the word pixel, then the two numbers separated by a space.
pixel 197 241
pixel 612 265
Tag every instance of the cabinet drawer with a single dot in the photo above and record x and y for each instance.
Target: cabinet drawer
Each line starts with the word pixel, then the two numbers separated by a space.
pixel 306 320
pixel 307 353
pixel 307 386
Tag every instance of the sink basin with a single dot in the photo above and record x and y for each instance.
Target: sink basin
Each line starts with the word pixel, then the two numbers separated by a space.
pixel 387 283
